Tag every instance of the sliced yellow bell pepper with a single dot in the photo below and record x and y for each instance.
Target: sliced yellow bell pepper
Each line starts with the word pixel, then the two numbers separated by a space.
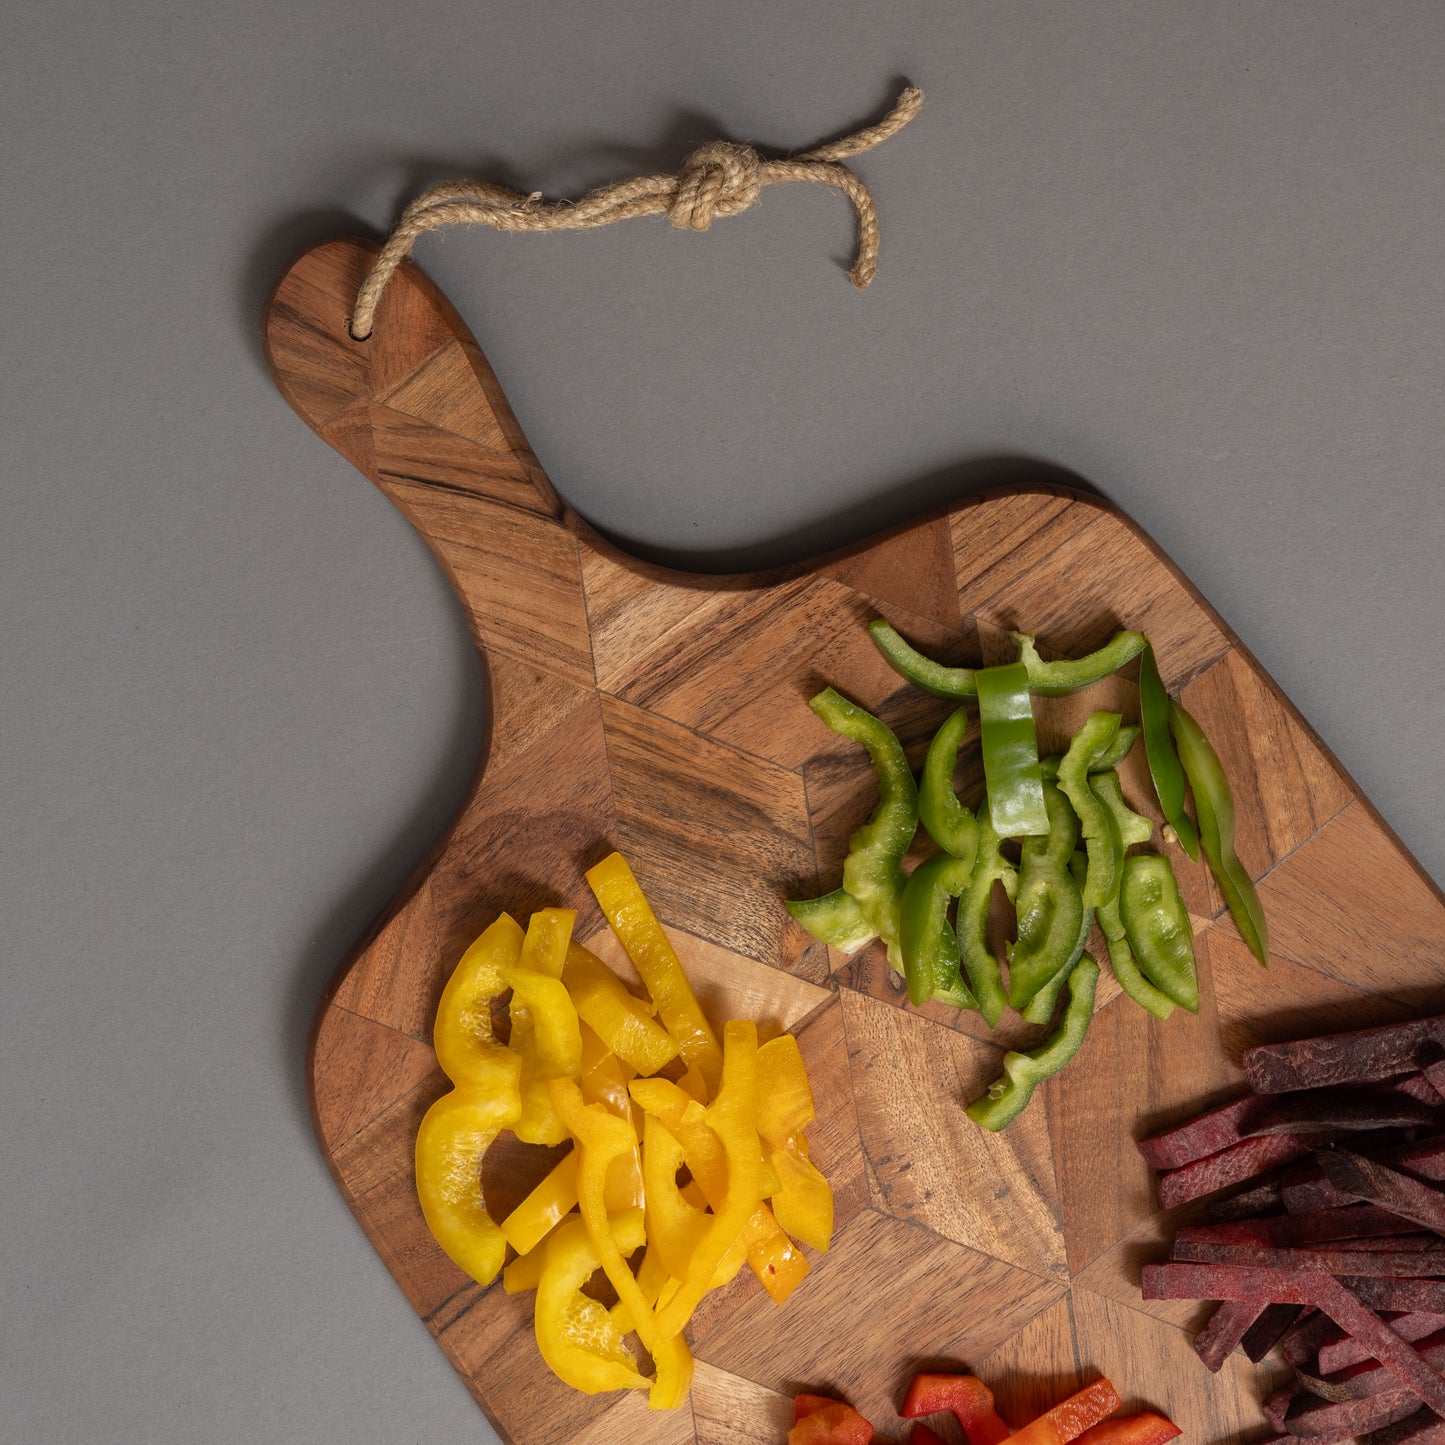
pixel 675 1226
pixel 549 933
pixel 623 1021
pixel 462 1031
pixel 731 1117
pixel 546 1034
pixel 577 1336
pixel 647 945
pixel 602 1137
pixel 803 1200
pixel 454 1137
pixel 604 1081
pixel 768 1251
pixel 556 1196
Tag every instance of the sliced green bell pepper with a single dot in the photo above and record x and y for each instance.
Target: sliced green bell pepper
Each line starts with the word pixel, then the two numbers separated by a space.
pixel 1011 752
pixel 835 918
pixel 1041 1009
pixel 1102 838
pixel 930 946
pixel 1214 807
pixel 1048 679
pixel 1133 827
pixel 1049 905
pixel 979 963
pixel 1164 765
pixel 1128 736
pixel 871 872
pixel 948 822
pixel 1157 925
pixel 1126 971
pixel 1023 1072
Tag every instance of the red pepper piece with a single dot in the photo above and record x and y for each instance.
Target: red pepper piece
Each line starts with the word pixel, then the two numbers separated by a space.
pixel 965 1397
pixel 806 1405
pixel 1068 1420
pixel 1145 1429
pixel 922 1435
pixel 829 1423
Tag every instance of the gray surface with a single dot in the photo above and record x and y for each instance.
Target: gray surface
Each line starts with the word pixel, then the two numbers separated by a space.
pixel 1192 253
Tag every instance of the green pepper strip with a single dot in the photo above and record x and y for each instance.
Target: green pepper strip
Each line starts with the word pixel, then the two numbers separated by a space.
pixel 1158 929
pixel 871 871
pixel 1007 1096
pixel 1049 905
pixel 1059 679
pixel 1041 1009
pixel 1126 971
pixel 1214 807
pixel 1164 765
pixel 1133 827
pixel 948 822
pixel 979 964
pixel 1105 762
pixel 835 918
pixel 1049 679
pixel 1101 830
pixel 930 947
pixel 1011 752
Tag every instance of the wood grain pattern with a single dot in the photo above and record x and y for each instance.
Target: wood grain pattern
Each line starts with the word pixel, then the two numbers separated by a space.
pixel 666 713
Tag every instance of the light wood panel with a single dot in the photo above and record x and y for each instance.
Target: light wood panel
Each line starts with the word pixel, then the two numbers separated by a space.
pixel 666 713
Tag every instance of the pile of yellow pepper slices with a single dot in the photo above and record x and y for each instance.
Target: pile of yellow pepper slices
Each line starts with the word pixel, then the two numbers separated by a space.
pixel 590 1062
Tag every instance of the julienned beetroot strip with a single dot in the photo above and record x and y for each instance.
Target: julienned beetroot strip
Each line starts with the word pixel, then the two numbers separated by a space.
pixel 1375 1263
pixel 1424 1158
pixel 1317 1226
pixel 1267 1331
pixel 1377 1183
pixel 1365 1056
pixel 1368 1377
pixel 1424 1427
pixel 1399 1294
pixel 1326 1423
pixel 1200 1137
pixel 1341 1351
pixel 1228 1282
pixel 1230 1166
pixel 1226 1329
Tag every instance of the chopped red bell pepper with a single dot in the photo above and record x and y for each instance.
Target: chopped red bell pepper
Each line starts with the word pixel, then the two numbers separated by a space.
pixel 821 1421
pixel 922 1435
pixel 1070 1419
pixel 1145 1429
pixel 967 1398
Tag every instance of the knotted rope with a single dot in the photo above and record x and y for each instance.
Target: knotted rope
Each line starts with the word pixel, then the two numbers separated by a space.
pixel 718 179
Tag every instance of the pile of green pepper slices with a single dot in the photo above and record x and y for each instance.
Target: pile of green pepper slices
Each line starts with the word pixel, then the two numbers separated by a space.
pixel 1058 888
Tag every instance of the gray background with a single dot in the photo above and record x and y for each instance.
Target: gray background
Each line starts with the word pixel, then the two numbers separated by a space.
pixel 1191 253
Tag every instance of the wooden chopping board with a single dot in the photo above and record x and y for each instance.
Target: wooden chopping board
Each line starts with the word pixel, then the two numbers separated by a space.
pixel 665 714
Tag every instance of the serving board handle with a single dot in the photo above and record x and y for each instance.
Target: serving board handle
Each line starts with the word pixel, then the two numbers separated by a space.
pixel 415 407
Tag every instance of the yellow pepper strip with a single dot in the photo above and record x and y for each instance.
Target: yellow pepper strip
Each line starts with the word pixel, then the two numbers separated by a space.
pixel 549 932
pixel 623 1021
pixel 546 1034
pixel 778 1266
pixel 525 1272
pixel 675 1226
pixel 692 1083
pixel 803 1201
pixel 652 955
pixel 462 1033
pixel 604 1081
pixel 454 1136
pixel 602 1137
pixel 731 1117
pixel 577 1336
pixel 529 1223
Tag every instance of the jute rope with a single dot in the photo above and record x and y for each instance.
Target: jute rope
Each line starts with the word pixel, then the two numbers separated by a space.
pixel 718 179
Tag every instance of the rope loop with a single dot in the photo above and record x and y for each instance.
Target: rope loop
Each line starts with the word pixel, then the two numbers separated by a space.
pixel 721 178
